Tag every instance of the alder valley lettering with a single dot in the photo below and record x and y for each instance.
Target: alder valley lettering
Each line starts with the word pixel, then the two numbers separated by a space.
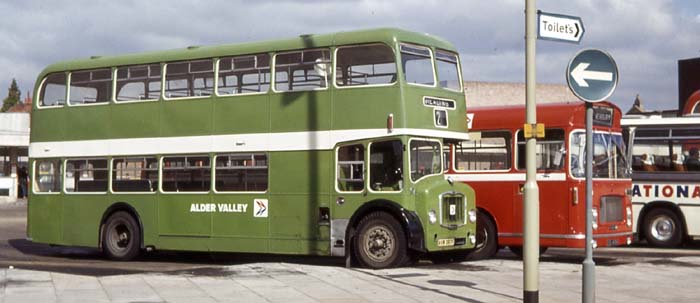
pixel 220 207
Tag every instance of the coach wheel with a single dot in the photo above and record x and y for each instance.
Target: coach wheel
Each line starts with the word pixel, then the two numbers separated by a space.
pixel 486 238
pixel 380 241
pixel 122 238
pixel 662 228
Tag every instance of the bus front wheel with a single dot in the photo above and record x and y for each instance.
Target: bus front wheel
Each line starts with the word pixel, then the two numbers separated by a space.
pixel 380 241
pixel 662 228
pixel 122 237
pixel 486 238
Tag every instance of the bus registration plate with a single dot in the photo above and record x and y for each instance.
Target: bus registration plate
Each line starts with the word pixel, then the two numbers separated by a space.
pixel 446 242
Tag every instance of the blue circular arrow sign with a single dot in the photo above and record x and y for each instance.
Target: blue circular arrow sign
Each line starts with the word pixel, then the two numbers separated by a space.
pixel 592 75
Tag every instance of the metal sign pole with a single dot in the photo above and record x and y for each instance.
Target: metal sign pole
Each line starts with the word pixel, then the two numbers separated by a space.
pixel 588 263
pixel 531 213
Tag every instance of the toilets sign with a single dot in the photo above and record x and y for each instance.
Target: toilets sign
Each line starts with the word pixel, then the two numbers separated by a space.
pixel 559 27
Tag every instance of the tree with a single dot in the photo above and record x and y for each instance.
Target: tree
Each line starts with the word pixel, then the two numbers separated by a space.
pixel 13 96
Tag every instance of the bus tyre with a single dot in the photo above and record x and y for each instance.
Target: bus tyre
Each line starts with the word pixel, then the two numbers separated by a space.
pixel 662 228
pixel 121 239
pixel 486 240
pixel 380 242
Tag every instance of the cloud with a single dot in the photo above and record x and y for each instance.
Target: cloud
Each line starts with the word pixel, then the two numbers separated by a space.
pixel 645 37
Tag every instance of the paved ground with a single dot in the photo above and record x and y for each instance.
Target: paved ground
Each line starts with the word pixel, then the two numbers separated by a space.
pixel 38 273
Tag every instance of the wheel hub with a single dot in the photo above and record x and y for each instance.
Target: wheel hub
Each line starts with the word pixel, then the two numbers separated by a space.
pixel 662 228
pixel 379 244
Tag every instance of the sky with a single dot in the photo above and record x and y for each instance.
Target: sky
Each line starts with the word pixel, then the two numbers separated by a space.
pixel 645 37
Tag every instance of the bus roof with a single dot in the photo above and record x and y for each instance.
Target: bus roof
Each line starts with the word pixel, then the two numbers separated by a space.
pixel 660 121
pixel 570 113
pixel 386 35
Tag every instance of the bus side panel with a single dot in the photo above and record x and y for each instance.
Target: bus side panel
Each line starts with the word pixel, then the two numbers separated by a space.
pixel 186 117
pixel 88 122
pixel 498 199
pixel 48 125
pixel 241 226
pixel 185 214
pixel 45 215
pixel 242 114
pixel 300 111
pixel 82 214
pixel 350 103
pixel 299 183
pixel 135 120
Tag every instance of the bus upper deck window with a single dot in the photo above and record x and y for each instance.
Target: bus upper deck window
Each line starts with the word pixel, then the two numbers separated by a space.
pixel 93 86
pixel 365 65
pixel 53 91
pixel 417 65
pixel 448 70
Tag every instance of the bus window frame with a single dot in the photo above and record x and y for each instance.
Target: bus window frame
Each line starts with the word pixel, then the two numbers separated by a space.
pixel 432 64
pixel 569 149
pixel 164 72
pixel 41 86
pixel 368 186
pixel 74 192
pixel 510 154
pixel 565 164
pixel 60 177
pixel 442 163
pixel 161 169
pixel 365 168
pixel 114 85
pixel 459 70
pixel 273 70
pixel 111 93
pixel 112 170
pixel 214 167
pixel 335 63
pixel 216 76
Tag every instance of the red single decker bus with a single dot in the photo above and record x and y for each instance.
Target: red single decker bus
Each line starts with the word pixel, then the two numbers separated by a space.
pixel 493 163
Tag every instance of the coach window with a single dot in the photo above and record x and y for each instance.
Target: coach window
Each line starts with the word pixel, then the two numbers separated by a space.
pixel 135 174
pixel 186 174
pixel 86 175
pixel 448 70
pixel 90 87
pixel 241 173
pixel 138 82
pixel 351 168
pixel 189 79
pixel 53 90
pixel 490 152
pixel 550 151
pixel 47 176
pixel 417 64
pixel 302 70
pixel 244 75
pixel 365 65
pixel 386 166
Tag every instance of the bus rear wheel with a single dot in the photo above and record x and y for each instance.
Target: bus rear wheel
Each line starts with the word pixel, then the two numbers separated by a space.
pixel 486 239
pixel 380 242
pixel 662 228
pixel 121 239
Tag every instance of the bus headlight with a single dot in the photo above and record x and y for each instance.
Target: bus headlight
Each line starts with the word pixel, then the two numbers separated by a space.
pixel 594 211
pixel 629 216
pixel 472 215
pixel 432 216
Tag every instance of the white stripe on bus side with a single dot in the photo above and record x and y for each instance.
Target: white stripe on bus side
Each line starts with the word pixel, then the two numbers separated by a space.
pixel 482 177
pixel 319 140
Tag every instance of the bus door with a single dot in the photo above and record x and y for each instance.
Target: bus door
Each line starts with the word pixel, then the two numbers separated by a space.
pixel 552 183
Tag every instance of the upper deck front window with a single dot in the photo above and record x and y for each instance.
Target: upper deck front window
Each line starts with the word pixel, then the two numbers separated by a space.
pixel 448 70
pixel 417 65
pixel 365 65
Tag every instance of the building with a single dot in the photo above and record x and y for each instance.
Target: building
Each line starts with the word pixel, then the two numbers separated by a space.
pixel 507 93
pixel 14 147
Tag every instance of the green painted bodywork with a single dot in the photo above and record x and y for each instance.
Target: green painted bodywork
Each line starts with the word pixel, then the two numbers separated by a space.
pixel 300 182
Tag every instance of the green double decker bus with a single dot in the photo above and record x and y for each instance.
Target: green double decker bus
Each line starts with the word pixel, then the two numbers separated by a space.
pixel 321 145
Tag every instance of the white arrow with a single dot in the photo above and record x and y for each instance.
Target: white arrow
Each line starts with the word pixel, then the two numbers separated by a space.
pixel 580 75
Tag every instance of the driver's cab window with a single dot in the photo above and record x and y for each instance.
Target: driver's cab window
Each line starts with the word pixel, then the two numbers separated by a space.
pixel 386 166
pixel 351 168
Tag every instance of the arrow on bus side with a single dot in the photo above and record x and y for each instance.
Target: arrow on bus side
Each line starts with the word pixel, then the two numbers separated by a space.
pixel 580 75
